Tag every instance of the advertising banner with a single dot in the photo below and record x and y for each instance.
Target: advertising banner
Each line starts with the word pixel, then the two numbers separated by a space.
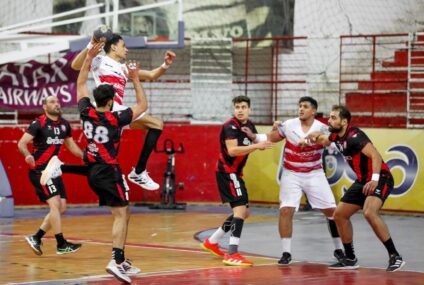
pixel 25 85
pixel 402 150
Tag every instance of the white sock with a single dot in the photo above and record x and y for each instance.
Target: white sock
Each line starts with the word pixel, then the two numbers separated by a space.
pixel 338 243
pixel 286 244
pixel 216 236
pixel 234 241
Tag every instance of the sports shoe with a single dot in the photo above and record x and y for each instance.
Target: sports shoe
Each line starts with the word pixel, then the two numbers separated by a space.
pixel 345 263
pixel 236 259
pixel 143 180
pixel 285 259
pixel 68 247
pixel 34 244
pixel 129 268
pixel 212 248
pixel 339 254
pixel 51 171
pixel 118 271
pixel 395 263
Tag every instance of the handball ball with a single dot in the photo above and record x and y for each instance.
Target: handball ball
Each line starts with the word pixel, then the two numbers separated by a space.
pixel 102 33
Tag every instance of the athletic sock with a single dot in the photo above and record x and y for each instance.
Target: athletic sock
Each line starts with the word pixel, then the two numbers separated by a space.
pixel 390 246
pixel 149 145
pixel 118 255
pixel 236 229
pixel 39 234
pixel 286 244
pixel 349 251
pixel 221 231
pixel 60 240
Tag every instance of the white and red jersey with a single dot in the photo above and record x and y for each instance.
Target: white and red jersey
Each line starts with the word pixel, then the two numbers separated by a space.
pixel 300 159
pixel 109 71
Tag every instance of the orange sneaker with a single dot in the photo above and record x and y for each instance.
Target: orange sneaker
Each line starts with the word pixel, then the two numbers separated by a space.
pixel 212 248
pixel 236 259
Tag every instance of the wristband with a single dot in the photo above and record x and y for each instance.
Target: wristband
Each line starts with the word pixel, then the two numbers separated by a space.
pixel 90 45
pixel 375 177
pixel 261 138
pixel 165 66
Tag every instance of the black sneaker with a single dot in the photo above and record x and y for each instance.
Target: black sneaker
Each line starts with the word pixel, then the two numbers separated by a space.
pixel 285 259
pixel 345 264
pixel 339 254
pixel 395 263
pixel 35 244
pixel 68 247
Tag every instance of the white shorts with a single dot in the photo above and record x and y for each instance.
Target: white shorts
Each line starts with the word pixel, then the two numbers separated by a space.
pixel 119 107
pixel 314 184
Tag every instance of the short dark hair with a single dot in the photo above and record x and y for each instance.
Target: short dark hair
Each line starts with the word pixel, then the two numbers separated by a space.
pixel 344 112
pixel 309 99
pixel 102 94
pixel 241 98
pixel 113 41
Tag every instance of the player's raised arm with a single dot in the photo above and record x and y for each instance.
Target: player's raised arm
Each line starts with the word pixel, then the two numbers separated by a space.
pixel 158 72
pixel 141 106
pixel 82 89
pixel 79 59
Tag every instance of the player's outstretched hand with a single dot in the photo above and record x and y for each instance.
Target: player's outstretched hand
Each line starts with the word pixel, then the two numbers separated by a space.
pixel 169 57
pixel 265 145
pixel 249 133
pixel 95 49
pixel 275 125
pixel 29 159
pixel 133 68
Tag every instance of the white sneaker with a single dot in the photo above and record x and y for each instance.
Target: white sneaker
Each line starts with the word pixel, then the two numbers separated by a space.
pixel 118 271
pixel 143 179
pixel 51 171
pixel 129 268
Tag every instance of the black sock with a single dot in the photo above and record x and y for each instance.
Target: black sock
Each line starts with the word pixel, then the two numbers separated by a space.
pixel 226 226
pixel 39 234
pixel 332 228
pixel 60 240
pixel 149 145
pixel 236 228
pixel 118 255
pixel 74 169
pixel 349 251
pixel 390 246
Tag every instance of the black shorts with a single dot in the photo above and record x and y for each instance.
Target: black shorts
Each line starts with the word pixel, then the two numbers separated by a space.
pixel 54 187
pixel 355 196
pixel 107 182
pixel 232 189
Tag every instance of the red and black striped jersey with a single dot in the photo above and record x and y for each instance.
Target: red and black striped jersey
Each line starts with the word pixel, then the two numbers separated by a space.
pixel 231 130
pixel 103 132
pixel 351 145
pixel 49 136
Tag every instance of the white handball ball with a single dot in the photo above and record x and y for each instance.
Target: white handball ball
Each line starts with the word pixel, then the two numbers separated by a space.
pixel 103 33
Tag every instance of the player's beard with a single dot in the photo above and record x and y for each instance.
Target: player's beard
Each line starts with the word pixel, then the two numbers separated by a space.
pixel 55 112
pixel 334 129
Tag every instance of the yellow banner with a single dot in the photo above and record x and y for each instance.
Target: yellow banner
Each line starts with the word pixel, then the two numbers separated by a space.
pixel 402 150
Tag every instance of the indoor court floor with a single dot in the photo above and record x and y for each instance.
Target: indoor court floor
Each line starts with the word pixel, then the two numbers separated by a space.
pixel 165 245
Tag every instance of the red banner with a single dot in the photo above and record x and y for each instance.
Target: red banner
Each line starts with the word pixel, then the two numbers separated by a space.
pixel 25 85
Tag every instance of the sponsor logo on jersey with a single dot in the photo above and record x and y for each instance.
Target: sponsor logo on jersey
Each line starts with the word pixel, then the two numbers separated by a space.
pixel 55 140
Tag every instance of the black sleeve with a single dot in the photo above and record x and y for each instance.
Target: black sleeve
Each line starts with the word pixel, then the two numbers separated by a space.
pixel 124 117
pixel 357 141
pixel 33 128
pixel 231 132
pixel 68 129
pixel 83 104
pixel 254 130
